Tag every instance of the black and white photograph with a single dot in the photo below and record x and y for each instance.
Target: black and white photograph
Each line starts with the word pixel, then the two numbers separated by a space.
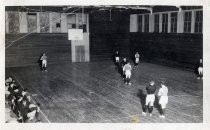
pixel 104 64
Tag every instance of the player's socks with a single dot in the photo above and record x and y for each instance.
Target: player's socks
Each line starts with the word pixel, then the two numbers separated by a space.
pixel 150 114
pixel 163 111
pixel 150 109
pixel 145 108
pixel 129 81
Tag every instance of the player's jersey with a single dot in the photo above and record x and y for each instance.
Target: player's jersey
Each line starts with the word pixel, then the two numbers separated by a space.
pixel 151 89
pixel 201 64
pixel 127 67
pixel 43 58
pixel 136 55
pixel 124 63
pixel 117 55
pixel 163 91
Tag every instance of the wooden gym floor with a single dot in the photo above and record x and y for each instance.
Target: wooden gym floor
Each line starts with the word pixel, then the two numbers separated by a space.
pixel 95 93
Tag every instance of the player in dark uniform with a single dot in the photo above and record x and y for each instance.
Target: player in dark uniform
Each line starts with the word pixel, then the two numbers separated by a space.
pixel 44 62
pixel 123 63
pixel 150 98
pixel 200 70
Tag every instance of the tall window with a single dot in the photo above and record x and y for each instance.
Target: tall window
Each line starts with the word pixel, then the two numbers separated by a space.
pixel 146 23
pixel 174 22
pixel 165 23
pixel 198 21
pixel 156 29
pixel 187 22
pixel 140 23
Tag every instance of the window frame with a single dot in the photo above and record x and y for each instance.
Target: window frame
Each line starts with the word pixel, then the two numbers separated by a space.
pixel 187 22
pixel 156 23
pixel 164 22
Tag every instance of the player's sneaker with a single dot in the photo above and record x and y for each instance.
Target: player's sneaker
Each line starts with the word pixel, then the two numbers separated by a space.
pixel 198 78
pixel 143 113
pixel 150 114
pixel 162 116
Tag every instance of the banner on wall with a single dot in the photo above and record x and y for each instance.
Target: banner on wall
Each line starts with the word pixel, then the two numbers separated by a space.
pixel 75 34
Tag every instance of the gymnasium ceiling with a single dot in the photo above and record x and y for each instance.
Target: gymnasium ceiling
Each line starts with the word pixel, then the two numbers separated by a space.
pixel 89 9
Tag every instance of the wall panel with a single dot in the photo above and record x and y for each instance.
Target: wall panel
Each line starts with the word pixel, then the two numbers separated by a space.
pixel 44 22
pixel 32 22
pixel 182 50
pixel 27 51
pixel 56 22
pixel 14 23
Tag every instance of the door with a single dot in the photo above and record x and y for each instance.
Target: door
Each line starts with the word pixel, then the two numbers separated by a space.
pixel 80 53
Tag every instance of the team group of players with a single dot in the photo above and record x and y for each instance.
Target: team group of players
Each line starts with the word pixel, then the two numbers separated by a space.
pixel 126 68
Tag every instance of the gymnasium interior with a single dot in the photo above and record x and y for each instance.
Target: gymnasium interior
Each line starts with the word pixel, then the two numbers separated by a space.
pixel 83 84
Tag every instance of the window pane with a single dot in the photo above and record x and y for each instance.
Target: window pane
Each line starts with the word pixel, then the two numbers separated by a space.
pixel 146 22
pixel 174 22
pixel 198 21
pixel 187 21
pixel 140 23
pixel 156 23
pixel 165 23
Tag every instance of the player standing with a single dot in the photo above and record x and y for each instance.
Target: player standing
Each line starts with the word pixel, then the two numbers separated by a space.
pixel 127 70
pixel 117 58
pixel 200 69
pixel 123 63
pixel 163 93
pixel 44 62
pixel 150 98
pixel 136 59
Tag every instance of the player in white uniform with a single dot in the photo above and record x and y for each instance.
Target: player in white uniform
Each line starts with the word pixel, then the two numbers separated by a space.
pixel 200 70
pixel 127 71
pixel 117 58
pixel 44 62
pixel 137 58
pixel 123 63
pixel 163 100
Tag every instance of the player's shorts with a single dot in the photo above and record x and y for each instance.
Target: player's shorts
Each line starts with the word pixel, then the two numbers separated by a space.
pixel 150 99
pixel 200 70
pixel 163 101
pixel 44 63
pixel 137 60
pixel 117 58
pixel 128 73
